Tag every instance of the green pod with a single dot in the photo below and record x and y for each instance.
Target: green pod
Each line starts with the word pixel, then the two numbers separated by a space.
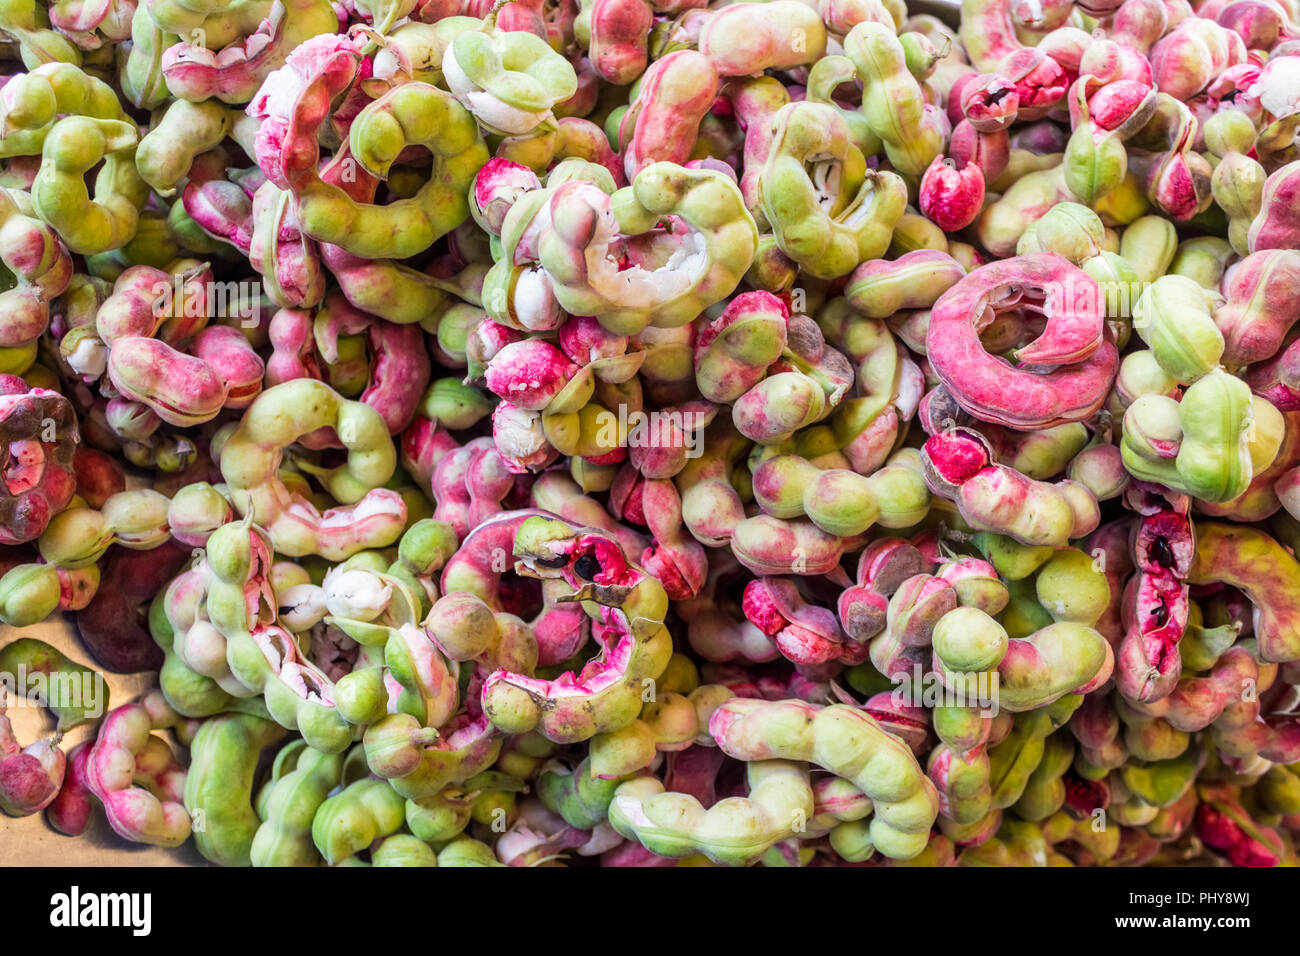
pixel 1044 792
pixel 841 502
pixel 402 849
pixel 1119 284
pixel 441 817
pixel 1023 615
pixel 29 593
pixel 465 851
pixel 1067 229
pixel 320 724
pixel 1093 166
pixel 1149 244
pixel 284 838
pixel 286 759
pixel 65 686
pixel 852 840
pixel 968 791
pixel 1013 760
pixel 579 797
pixel 1279 789
pixel 1162 782
pixel 219 786
pixel 1070 587
pixel 968 639
pixel 350 821
pixel 961 728
pixel 1214 458
pixel 1013 560
pixel 1173 318
pixel 1203 259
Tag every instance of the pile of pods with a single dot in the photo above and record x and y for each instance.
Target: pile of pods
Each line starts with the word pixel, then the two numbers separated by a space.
pixel 657 432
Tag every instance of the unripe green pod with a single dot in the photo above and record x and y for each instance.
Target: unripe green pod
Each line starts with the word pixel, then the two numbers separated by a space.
pixel 913 233
pixel 1280 790
pixel 284 838
pixel 1067 229
pixel 454 404
pixel 441 817
pixel 961 728
pixel 1045 453
pixel 29 594
pixel 1140 374
pixel 465 851
pixel 219 785
pixel 1119 284
pixel 1044 792
pixel 1149 245
pixel 1014 561
pixel 1203 259
pixel 1023 615
pixel 1093 166
pixel 1173 317
pixel 402 849
pixel 967 791
pixel 852 840
pixel 901 495
pixel 967 639
pixel 1214 459
pixel 1162 782
pixel 351 820
pixel 1013 760
pixel 1071 588
pixel 840 502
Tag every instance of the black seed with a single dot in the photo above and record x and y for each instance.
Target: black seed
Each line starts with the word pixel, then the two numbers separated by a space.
pixel 587 567
pixel 1162 552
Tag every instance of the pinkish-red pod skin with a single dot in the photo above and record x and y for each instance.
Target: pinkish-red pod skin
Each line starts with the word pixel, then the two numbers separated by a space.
pixel 422 446
pixel 1219 826
pixel 1278 378
pixel 989 151
pixel 99 475
pixel 952 196
pixel 663 121
pixel 1112 62
pixel 1109 545
pixel 1155 607
pixel 1261 568
pixel 804 633
pixel 619 32
pixel 1261 292
pixel 677 560
pixel 293 348
pixel 1139 23
pixel 1260 24
pixel 990 103
pixel 529 373
pixel 113 626
pixel 180 388
pixel 223 209
pixel 73 806
pixel 38 477
pixel 469 485
pixel 883 566
pixel 399 362
pixel 1185 60
pixel 1121 105
pixel 1039 82
pixel 496 187
pixel 26 785
pixel 991 388
pixel 230 354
